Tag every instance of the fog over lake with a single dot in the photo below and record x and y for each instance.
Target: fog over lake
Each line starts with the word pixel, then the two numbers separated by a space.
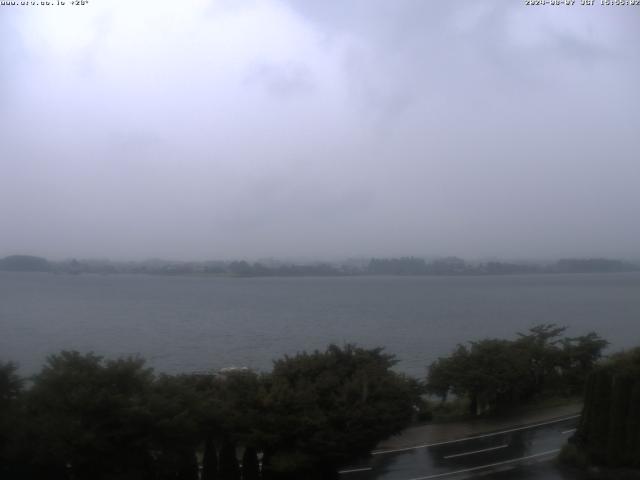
pixel 184 324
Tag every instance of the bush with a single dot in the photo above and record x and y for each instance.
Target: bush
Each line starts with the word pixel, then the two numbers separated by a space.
pixel 608 431
pixel 496 374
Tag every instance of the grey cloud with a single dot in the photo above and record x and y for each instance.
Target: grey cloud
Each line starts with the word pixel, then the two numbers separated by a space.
pixel 320 129
pixel 283 80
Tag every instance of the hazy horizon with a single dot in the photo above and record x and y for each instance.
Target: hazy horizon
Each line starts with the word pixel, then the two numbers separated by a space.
pixel 292 129
pixel 320 259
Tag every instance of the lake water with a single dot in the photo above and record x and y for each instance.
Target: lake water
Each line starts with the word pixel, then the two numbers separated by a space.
pixel 183 324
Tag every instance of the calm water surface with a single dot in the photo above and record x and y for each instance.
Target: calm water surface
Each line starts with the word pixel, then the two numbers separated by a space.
pixel 197 323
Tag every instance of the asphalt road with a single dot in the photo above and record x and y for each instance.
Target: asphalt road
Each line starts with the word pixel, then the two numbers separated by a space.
pixel 521 452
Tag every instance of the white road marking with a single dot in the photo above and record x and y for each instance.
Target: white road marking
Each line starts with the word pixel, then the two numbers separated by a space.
pixel 475 437
pixel 490 465
pixel 477 451
pixel 354 470
pixel 568 431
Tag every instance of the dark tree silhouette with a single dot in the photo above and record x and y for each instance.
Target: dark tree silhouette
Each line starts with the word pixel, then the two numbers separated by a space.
pixel 250 467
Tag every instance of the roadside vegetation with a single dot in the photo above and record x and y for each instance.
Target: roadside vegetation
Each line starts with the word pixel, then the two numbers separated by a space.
pixel 609 431
pixel 84 417
pixel 492 376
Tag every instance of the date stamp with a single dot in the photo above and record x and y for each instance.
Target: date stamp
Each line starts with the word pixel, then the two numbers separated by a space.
pixel 582 3
pixel 43 3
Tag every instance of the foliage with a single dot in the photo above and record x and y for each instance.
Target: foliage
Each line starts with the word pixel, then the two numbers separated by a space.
pixel 209 460
pixel 237 400
pixel 398 266
pixel 90 416
pixel 452 409
pixel 85 417
pixel 327 407
pixel 10 384
pixel 580 355
pixel 496 374
pixel 491 373
pixel 250 466
pixel 376 266
pixel 609 430
pixel 175 410
pixel 24 263
pixel 229 467
pixel 584 265
pixel 11 390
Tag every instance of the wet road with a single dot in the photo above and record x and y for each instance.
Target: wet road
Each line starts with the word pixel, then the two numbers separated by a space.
pixel 518 450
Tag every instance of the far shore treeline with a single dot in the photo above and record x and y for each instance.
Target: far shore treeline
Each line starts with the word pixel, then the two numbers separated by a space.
pixel 406 266
pixel 86 417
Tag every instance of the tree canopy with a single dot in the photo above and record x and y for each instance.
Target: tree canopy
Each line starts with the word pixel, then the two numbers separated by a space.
pixel 24 263
pixel 327 407
pixel 86 417
pixel 495 374
pixel 609 429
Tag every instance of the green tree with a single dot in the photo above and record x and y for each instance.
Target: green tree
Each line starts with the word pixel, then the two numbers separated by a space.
pixel 495 374
pixel 325 408
pixel 176 409
pixel 580 355
pixel 250 466
pixel 491 373
pixel 24 263
pixel 11 384
pixel 11 392
pixel 609 430
pixel 209 460
pixel 237 401
pixel 544 354
pixel 89 416
pixel 229 467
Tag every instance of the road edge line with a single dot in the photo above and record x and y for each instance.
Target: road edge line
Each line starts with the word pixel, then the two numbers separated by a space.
pixel 490 465
pixel 474 437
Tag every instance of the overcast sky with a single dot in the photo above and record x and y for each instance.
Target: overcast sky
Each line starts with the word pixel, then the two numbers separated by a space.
pixel 201 129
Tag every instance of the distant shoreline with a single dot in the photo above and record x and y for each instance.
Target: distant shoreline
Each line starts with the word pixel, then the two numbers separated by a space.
pixel 398 267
